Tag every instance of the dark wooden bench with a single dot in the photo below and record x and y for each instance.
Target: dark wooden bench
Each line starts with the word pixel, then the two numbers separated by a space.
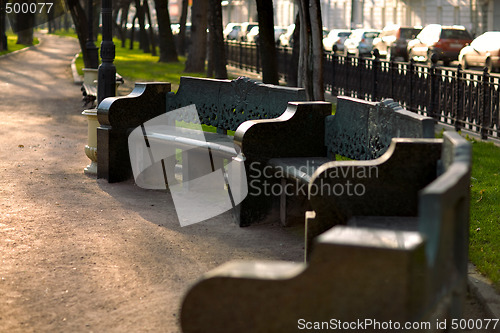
pixel 377 270
pixel 359 130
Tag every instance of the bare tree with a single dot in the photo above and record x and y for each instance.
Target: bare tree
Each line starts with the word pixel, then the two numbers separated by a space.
pixel 168 52
pixel 267 45
pixel 310 74
pixel 198 49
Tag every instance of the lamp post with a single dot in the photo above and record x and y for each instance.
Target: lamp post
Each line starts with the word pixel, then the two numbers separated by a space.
pixel 106 81
pixel 106 76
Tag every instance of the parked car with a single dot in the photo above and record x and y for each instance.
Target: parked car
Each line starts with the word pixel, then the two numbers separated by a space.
pixel 335 40
pixel 444 41
pixel 232 31
pixel 245 29
pixel 393 41
pixel 360 42
pixel 484 51
pixel 253 35
pixel 286 38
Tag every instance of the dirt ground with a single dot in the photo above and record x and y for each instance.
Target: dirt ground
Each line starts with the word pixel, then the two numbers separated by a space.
pixel 79 254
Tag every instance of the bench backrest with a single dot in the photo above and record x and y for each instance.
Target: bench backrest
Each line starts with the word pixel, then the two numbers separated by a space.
pixel 363 130
pixel 226 104
pixel 444 221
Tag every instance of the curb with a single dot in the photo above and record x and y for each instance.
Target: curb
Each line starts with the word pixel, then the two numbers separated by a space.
pixel 40 41
pixel 482 289
pixel 77 78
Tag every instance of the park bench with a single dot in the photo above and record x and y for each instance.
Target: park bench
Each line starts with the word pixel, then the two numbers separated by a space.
pixel 366 272
pixel 89 86
pixel 359 130
pixel 266 124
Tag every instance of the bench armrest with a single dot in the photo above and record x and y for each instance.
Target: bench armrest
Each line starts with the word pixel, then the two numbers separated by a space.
pixel 387 186
pixel 145 102
pixel 298 132
pixel 260 297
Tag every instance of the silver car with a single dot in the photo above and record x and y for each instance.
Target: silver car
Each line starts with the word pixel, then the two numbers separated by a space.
pixel 334 42
pixel 360 42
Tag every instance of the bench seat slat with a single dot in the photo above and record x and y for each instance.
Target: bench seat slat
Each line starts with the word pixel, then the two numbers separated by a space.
pixel 299 169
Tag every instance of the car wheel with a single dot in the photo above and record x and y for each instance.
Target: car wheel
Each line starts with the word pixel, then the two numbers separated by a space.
pixel 446 62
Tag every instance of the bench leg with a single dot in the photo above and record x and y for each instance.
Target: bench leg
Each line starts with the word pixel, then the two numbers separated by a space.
pixel 283 215
pixel 113 161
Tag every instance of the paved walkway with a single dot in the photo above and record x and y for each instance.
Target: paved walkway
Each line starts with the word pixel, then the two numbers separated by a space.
pixel 80 255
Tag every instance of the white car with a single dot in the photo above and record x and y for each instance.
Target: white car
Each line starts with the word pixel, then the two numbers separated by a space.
pixel 335 40
pixel 232 31
pixel 360 42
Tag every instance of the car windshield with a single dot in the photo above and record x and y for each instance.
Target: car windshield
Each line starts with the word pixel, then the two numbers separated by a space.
pixel 455 34
pixel 409 33
pixel 344 34
pixel 371 34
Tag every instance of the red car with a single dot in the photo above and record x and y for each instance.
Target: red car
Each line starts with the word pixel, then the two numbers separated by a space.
pixel 444 41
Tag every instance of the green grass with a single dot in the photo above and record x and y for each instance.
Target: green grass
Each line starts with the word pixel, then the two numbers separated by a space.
pixel 135 65
pixel 12 46
pixel 484 244
pixel 66 33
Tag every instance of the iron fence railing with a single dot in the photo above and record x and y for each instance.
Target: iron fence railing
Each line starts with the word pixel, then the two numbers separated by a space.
pixel 462 98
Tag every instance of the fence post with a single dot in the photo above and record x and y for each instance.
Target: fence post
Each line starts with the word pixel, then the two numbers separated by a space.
pixel 334 65
pixel 241 54
pixel 257 57
pixel 485 107
pixel 375 69
pixel 433 93
pixel 410 74
pixel 458 99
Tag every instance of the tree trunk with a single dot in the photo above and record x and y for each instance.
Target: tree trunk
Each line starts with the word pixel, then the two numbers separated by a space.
pixel 123 24
pixel 24 27
pixel 182 29
pixel 81 27
pixel 266 42
pixel 168 53
pixel 198 49
pixel 310 74
pixel 132 32
pixel 151 30
pixel 217 47
pixel 143 39
pixel 3 36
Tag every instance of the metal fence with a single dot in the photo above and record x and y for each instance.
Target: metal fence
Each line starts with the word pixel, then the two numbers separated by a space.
pixel 462 98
